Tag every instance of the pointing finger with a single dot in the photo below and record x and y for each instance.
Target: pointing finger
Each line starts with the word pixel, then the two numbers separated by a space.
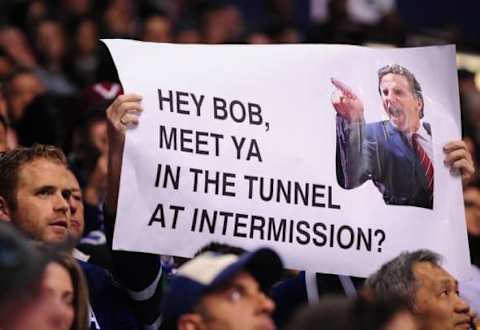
pixel 342 87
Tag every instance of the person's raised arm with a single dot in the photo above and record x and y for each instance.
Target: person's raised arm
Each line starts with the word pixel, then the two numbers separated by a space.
pixel 124 112
pixel 140 273
pixel 346 103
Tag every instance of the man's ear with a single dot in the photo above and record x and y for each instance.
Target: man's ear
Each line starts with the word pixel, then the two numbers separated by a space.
pixel 191 321
pixel 4 210
pixel 420 104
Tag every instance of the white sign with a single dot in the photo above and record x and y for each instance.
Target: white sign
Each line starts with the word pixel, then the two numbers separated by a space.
pixel 238 144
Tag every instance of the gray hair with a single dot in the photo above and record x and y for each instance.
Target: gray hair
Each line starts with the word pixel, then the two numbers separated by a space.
pixel 396 278
pixel 415 87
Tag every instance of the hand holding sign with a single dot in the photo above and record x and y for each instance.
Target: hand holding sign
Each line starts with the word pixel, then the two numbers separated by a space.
pixel 121 114
pixel 459 158
pixel 124 111
pixel 346 103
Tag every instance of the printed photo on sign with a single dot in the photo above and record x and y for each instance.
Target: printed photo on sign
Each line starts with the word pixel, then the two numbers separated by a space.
pixel 395 154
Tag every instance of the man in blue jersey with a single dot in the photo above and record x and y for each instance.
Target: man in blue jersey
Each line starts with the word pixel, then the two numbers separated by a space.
pixel 34 197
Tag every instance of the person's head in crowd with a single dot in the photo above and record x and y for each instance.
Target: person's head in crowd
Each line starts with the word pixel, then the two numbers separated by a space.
pixel 42 122
pixel 89 158
pixel 360 313
pixel 289 35
pixel 471 115
pixel 15 43
pixel 50 43
pixel 471 197
pixel 66 287
pixel 223 291
pixel 22 85
pixel 221 248
pixel 466 82
pixel 83 58
pixel 258 38
pixel 118 21
pixel 75 203
pixel 21 270
pixel 42 288
pixel 188 34
pixel 33 12
pixel 419 278
pixel 91 129
pixel 35 191
pixel 86 37
pixel 221 23
pixel 157 28
pixel 401 96
pixel 77 8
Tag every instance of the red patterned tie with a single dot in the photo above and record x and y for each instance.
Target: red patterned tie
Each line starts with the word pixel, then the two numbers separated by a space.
pixel 424 160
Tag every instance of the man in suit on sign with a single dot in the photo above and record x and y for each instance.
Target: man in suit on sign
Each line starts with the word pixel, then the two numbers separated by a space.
pixel 396 154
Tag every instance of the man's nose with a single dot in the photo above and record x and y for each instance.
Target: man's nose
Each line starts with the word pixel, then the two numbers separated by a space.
pixel 72 204
pixel 61 203
pixel 388 99
pixel 461 306
pixel 266 304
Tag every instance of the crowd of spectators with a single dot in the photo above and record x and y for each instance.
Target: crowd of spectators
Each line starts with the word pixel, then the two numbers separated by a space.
pixel 57 85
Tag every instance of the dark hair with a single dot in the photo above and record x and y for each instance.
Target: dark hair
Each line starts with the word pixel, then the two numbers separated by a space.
pixel 17 71
pixel 396 277
pixel 346 313
pixel 221 248
pixel 12 161
pixel 415 87
pixel 21 270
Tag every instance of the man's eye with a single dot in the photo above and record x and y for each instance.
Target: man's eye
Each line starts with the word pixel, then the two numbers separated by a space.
pixel 444 293
pixel 44 192
pixel 236 294
pixel 78 198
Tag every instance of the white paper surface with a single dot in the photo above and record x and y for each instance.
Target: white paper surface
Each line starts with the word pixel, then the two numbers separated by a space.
pixel 295 143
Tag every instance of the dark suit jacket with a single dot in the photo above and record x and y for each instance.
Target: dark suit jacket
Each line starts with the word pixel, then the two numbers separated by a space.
pixel 379 152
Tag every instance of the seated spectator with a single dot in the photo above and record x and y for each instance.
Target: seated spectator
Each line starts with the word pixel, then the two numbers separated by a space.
pixel 40 288
pixel 21 87
pixel 34 197
pixel 65 283
pixel 223 291
pixel 157 28
pixel 91 246
pixel 51 51
pixel 13 40
pixel 429 289
pixel 21 269
pixel 470 290
pixel 83 59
